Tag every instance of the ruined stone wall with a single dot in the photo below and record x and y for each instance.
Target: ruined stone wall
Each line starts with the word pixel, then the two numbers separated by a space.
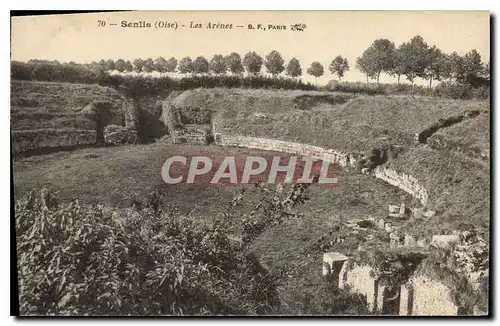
pixel 358 279
pixel 286 147
pixel 404 182
pixel 431 297
pixel 27 140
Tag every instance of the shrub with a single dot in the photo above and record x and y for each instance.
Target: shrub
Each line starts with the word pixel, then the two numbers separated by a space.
pixel 79 259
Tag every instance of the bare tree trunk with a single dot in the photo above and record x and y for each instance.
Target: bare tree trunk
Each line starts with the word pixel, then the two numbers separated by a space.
pixel 399 76
pixel 430 82
pixel 378 78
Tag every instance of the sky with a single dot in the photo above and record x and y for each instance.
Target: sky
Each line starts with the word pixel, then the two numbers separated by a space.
pixel 77 37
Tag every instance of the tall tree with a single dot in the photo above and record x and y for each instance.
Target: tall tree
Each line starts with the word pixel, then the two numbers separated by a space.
pixel 128 66
pixel 252 62
pixel 398 68
pixel 160 65
pixel 234 63
pixel 415 57
pixel 110 65
pixel 274 63
pixel 218 64
pixel 293 68
pixel 171 65
pixel 200 65
pixel 102 64
pixel 149 65
pixel 378 58
pixel 473 63
pixel 365 65
pixel 436 64
pixel 446 67
pixel 186 65
pixel 120 65
pixel 458 69
pixel 339 66
pixel 486 71
pixel 138 65
pixel 316 69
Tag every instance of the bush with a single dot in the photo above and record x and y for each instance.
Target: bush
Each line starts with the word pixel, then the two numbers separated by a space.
pixel 79 259
pixel 42 70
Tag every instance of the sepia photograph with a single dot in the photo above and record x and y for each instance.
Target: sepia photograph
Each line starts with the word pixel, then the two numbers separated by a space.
pixel 251 163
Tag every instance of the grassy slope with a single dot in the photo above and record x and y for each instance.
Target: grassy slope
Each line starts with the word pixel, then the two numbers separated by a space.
pixel 351 123
pixel 471 137
pixel 365 121
pixel 41 105
pixel 459 187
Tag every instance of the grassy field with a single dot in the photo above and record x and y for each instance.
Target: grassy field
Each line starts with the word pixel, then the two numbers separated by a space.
pixel 111 175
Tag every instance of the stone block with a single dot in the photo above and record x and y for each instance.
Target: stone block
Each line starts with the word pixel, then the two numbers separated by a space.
pixel 409 241
pixel 417 212
pixel 395 215
pixel 118 135
pixel 388 227
pixel 429 213
pixel 393 208
pixel 422 243
pixel 381 224
pixel 334 267
pixel 445 241
pixel 402 209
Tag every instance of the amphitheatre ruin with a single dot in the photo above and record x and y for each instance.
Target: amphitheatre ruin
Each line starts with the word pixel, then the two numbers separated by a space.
pixel 414 181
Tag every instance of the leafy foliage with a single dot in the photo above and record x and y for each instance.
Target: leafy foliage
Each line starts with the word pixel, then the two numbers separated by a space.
pixel 185 65
pixel 200 65
pixel 274 63
pixel 252 62
pixel 377 58
pixel 316 69
pixel 79 259
pixel 293 68
pixel 339 66
pixel 218 64
pixel 234 63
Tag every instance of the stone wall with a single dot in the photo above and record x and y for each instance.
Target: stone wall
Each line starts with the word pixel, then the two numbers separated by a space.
pixel 421 296
pixel 342 159
pixel 431 298
pixel 404 182
pixel 190 136
pixel 358 279
pixel 26 140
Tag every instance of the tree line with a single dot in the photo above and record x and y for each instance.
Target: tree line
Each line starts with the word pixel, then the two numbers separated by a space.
pixel 219 64
pixel 416 58
pixel 411 59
